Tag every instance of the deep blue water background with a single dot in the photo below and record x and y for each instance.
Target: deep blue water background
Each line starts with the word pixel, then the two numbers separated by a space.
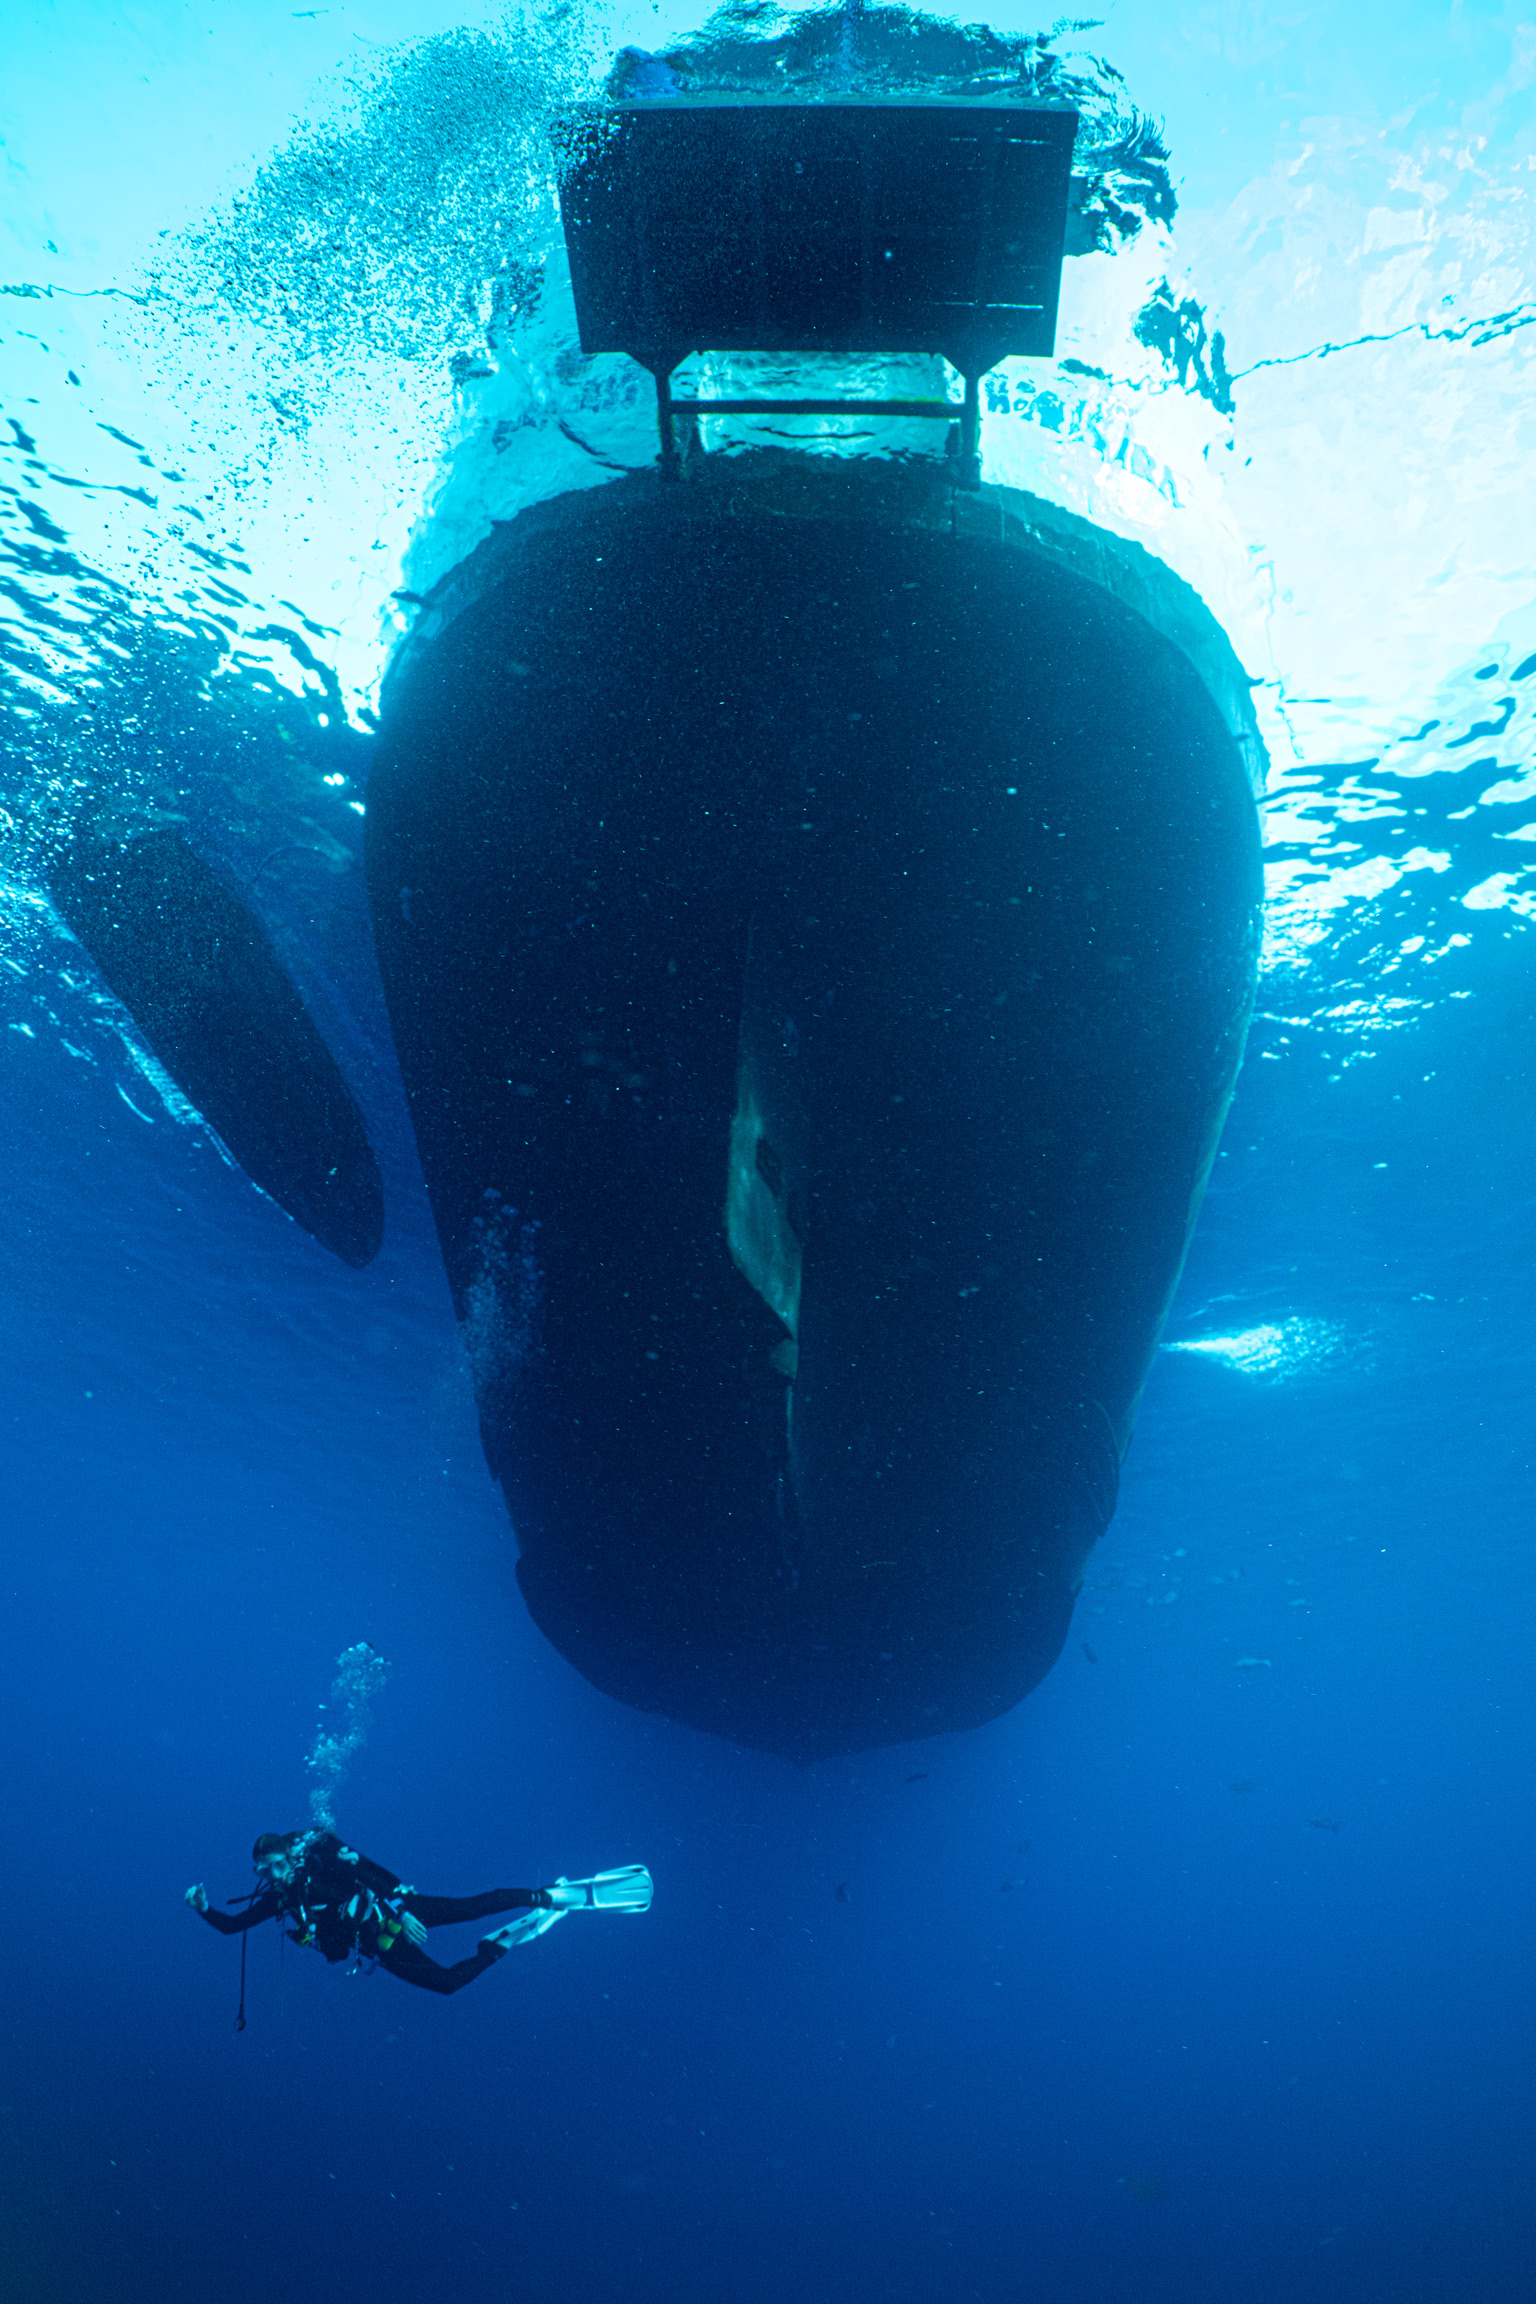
pixel 1195 1981
pixel 1189 1980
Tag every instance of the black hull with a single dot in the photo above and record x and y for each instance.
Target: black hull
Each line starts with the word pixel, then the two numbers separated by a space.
pixel 819 950
pixel 194 966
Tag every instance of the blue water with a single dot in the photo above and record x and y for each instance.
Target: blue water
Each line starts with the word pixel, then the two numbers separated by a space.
pixel 1203 1976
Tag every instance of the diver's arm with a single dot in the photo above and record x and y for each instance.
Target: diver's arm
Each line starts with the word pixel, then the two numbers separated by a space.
pixel 265 1907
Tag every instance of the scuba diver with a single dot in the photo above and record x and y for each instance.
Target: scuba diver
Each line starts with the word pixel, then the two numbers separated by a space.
pixel 348 1907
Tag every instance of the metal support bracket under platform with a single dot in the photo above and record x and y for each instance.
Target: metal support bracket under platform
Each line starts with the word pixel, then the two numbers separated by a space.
pixel 964 414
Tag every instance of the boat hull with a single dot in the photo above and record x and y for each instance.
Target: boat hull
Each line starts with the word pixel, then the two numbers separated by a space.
pixel 819 946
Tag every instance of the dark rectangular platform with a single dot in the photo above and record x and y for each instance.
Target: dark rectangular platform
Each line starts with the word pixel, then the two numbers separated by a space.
pixel 740 226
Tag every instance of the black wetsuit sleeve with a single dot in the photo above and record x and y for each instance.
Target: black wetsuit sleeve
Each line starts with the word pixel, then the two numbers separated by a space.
pixel 265 1907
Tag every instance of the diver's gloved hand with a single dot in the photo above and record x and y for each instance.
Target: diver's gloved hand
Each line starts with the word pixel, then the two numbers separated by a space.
pixel 412 1929
pixel 197 1896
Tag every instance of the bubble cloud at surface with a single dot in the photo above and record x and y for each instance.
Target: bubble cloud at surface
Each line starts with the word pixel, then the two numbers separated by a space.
pixel 283 412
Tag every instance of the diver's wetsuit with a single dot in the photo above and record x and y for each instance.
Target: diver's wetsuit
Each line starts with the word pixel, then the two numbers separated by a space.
pixel 344 1903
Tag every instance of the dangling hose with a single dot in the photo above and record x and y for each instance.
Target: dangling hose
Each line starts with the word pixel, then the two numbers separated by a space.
pixel 245 1937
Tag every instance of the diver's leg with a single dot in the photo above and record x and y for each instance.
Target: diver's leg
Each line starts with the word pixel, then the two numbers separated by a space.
pixel 442 1911
pixel 413 1967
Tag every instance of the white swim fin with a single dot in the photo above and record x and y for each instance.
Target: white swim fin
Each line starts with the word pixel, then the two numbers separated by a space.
pixel 523 1929
pixel 627 1890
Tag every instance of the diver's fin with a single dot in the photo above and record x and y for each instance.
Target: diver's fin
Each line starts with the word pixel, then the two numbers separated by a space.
pixel 627 1890
pixel 522 1930
pixel 197 971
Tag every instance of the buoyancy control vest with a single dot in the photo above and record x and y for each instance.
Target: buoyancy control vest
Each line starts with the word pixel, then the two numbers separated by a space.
pixel 342 1903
